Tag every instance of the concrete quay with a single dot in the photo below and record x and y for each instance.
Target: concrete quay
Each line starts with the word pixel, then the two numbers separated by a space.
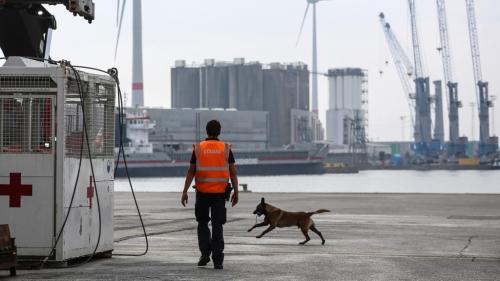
pixel 368 237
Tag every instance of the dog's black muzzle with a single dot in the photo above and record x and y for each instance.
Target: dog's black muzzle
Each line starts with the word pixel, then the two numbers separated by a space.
pixel 258 213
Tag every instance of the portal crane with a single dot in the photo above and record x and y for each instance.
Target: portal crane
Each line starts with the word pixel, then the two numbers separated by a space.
pixel 487 145
pixel 456 146
pixel 423 136
pixel 403 65
pixel 437 100
pixel 26 26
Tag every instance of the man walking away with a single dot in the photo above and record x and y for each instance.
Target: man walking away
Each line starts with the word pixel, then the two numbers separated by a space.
pixel 212 165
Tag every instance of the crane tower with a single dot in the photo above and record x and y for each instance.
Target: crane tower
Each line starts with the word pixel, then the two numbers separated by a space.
pixel 456 145
pixel 487 145
pixel 423 124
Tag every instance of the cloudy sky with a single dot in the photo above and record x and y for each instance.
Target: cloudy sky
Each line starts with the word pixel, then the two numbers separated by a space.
pixel 349 35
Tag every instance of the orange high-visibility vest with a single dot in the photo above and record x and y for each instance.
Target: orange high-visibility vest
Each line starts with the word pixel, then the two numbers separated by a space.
pixel 212 167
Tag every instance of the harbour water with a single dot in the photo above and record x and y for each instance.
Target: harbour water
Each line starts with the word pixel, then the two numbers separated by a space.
pixel 483 182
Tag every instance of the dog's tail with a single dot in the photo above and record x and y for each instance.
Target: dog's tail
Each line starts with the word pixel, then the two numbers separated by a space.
pixel 318 212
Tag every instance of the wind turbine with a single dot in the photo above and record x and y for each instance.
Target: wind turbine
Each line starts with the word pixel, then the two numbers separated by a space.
pixel 137 79
pixel 314 87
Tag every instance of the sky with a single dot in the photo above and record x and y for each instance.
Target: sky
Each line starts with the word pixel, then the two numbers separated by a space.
pixel 349 35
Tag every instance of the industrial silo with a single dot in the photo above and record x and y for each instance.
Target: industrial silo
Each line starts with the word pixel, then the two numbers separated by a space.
pixel 185 86
pixel 298 85
pixel 278 99
pixel 303 87
pixel 300 75
pixel 347 96
pixel 214 84
pixel 286 87
pixel 245 85
pixel 273 79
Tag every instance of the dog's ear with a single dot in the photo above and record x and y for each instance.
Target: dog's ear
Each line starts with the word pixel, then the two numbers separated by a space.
pixel 262 201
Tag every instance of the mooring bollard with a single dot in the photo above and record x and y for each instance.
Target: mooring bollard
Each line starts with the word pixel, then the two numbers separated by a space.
pixel 245 187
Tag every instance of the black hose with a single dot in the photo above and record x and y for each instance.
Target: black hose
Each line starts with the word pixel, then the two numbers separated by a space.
pixel 78 81
pixel 113 73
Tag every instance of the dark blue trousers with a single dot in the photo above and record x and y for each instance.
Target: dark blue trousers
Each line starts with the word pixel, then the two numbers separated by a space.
pixel 211 207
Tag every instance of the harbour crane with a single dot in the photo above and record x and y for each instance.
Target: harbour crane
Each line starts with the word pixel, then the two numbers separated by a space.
pixel 487 145
pixel 26 26
pixel 455 146
pixel 437 100
pixel 423 121
pixel 403 65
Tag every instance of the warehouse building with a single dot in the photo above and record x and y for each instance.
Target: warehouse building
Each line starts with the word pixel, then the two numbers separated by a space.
pixel 180 128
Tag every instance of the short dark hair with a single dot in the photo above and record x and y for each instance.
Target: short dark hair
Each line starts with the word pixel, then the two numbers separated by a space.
pixel 213 128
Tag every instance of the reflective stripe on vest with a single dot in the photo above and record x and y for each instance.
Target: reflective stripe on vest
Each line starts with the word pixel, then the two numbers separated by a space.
pixel 211 180
pixel 212 167
pixel 218 168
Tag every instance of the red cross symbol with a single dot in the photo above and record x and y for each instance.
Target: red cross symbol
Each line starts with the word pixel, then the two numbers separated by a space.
pixel 15 190
pixel 90 192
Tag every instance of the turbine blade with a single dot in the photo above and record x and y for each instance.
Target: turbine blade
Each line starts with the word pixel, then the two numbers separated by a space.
pixel 302 25
pixel 119 27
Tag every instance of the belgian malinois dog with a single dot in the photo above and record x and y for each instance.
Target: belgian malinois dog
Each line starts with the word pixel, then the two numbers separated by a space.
pixel 275 217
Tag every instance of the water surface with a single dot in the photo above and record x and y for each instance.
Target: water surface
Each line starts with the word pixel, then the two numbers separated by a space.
pixel 364 182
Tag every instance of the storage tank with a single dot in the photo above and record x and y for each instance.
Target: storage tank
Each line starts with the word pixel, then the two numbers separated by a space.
pixel 185 86
pixel 297 83
pixel 346 96
pixel 346 88
pixel 277 102
pixel 303 87
pixel 338 126
pixel 214 85
pixel 283 91
pixel 245 86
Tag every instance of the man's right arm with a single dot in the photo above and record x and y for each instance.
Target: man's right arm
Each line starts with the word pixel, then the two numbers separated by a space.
pixel 189 178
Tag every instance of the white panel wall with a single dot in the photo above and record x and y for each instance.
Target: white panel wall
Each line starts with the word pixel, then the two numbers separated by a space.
pixel 335 125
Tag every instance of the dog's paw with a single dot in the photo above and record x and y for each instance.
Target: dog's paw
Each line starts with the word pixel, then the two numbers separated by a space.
pixel 249 230
pixel 259 236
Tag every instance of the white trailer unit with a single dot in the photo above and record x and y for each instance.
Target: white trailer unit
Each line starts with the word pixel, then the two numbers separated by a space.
pixel 41 137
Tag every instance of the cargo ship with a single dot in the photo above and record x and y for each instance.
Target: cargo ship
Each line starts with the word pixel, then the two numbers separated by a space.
pixel 144 161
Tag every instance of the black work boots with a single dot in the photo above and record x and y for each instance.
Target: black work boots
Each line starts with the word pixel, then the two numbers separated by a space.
pixel 204 260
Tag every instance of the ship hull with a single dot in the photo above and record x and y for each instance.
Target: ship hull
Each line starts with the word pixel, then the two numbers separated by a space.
pixel 274 169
